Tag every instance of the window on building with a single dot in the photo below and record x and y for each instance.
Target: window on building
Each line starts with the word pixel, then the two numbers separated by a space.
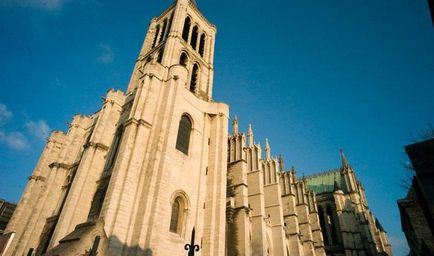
pixel 184 132
pixel 163 31
pixel 169 26
pixel 177 217
pixel 186 30
pixel 194 78
pixel 183 60
pixel 202 44
pixel 114 150
pixel 160 56
pixel 194 35
pixel 157 31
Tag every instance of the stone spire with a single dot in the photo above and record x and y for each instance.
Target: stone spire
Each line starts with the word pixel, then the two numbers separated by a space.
pixel 293 170
pixel 235 125
pixel 250 136
pixel 267 150
pixel 345 164
pixel 293 174
pixel 281 164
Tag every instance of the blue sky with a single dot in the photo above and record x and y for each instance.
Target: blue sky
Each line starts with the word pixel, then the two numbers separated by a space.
pixel 311 76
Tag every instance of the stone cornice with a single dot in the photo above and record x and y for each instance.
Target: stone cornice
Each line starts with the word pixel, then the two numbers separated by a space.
pixel 137 122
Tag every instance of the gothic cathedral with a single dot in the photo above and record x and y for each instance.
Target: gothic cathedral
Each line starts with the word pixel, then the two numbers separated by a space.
pixel 156 163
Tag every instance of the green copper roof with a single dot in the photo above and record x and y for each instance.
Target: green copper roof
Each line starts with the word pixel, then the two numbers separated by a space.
pixel 325 182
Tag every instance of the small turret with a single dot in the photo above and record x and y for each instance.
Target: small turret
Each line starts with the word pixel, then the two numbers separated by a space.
pixel 250 136
pixel 281 164
pixel 235 125
pixel 267 150
pixel 293 174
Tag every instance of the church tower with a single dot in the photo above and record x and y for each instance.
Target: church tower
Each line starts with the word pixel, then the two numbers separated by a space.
pixel 181 35
pixel 136 177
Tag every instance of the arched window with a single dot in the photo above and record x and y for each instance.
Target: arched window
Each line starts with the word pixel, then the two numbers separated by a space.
pixel 184 132
pixel 163 31
pixel 186 30
pixel 177 217
pixel 157 31
pixel 183 59
pixel 160 56
pixel 194 78
pixel 202 44
pixel 194 36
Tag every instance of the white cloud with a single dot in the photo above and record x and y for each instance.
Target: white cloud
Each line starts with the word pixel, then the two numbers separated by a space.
pixel 5 114
pixel 46 5
pixel 39 129
pixel 107 55
pixel 15 140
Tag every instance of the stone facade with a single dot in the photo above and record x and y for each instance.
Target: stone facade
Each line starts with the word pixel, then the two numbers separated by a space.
pixel 272 212
pixel 156 161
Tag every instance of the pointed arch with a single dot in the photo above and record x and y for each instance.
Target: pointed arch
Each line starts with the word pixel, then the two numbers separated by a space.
pixel 194 36
pixel 194 78
pixel 184 134
pixel 186 29
pixel 202 44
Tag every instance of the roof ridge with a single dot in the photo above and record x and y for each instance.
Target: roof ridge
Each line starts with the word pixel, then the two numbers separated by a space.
pixel 323 173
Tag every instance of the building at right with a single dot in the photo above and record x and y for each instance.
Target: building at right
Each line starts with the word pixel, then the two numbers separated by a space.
pixel 417 208
pixel 273 211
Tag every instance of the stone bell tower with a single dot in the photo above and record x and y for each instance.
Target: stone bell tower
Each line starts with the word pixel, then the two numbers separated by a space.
pixel 137 176
pixel 181 35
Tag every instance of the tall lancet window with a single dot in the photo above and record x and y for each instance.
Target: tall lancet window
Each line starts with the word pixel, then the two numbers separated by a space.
pixel 157 31
pixel 194 35
pixel 194 78
pixel 186 30
pixel 184 133
pixel 202 44
pixel 163 31
pixel 98 197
